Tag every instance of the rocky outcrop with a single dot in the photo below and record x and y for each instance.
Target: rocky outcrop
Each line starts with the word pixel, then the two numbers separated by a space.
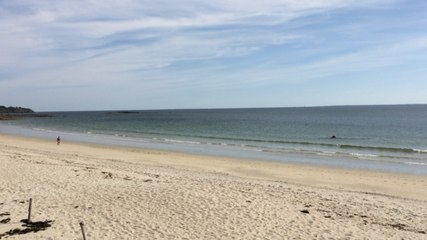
pixel 4 109
pixel 13 113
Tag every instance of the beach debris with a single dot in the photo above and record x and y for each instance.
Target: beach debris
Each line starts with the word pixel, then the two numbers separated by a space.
pixel 305 211
pixel 4 221
pixel 108 175
pixel 248 201
pixel 127 178
pixel 399 226
pixel 30 227
pixel 148 180
pixel 17 231
pixel 29 210
pixel 40 225
pixel 4 214
pixel 152 175
pixel 83 230
pixel 89 169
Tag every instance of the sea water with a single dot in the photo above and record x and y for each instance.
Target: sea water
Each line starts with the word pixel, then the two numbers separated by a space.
pixel 385 138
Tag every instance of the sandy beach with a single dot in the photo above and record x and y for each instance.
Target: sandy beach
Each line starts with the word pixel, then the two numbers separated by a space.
pixel 124 193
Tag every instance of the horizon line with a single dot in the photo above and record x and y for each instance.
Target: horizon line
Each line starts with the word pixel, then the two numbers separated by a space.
pixel 231 108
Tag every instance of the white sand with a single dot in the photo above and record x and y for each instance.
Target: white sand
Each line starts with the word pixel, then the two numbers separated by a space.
pixel 122 193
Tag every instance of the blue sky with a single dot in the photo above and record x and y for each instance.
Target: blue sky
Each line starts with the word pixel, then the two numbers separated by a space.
pixel 105 55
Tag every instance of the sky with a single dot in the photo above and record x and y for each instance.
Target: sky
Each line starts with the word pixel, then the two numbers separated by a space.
pixel 165 54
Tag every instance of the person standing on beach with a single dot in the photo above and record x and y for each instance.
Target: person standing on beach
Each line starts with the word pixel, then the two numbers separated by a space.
pixel 58 140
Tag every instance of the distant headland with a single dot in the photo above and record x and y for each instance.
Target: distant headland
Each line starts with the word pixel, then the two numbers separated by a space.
pixel 13 113
pixel 4 109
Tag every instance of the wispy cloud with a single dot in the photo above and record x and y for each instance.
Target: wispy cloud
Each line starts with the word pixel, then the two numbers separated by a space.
pixel 158 45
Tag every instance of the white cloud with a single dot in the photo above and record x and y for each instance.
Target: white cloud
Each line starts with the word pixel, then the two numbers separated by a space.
pixel 48 43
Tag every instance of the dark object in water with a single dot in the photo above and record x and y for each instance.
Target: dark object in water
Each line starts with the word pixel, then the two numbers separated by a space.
pixel 127 112
pixel 333 137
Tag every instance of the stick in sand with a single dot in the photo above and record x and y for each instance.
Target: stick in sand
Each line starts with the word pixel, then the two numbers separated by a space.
pixel 29 210
pixel 83 230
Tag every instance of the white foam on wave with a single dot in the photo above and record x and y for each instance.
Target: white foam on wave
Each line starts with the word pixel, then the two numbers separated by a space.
pixel 416 163
pixel 181 141
pixel 43 130
pixel 420 150
pixel 326 153
pixel 250 148
pixel 363 155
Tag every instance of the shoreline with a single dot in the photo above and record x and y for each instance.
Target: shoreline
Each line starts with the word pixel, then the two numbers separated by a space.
pixel 122 192
pixel 268 170
pixel 320 159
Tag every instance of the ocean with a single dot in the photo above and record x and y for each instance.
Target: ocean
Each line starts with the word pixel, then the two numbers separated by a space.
pixel 390 138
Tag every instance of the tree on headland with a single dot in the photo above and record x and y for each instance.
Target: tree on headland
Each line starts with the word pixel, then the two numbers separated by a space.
pixel 13 113
pixel 4 109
